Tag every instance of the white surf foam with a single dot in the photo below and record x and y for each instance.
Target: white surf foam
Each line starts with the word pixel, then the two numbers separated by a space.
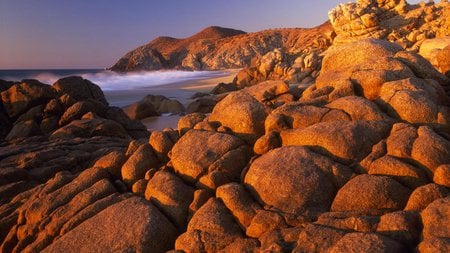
pixel 109 80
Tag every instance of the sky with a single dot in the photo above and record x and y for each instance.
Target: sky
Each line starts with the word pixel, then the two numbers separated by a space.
pixel 96 33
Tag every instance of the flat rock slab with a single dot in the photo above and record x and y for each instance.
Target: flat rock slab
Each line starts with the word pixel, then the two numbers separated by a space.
pixel 130 225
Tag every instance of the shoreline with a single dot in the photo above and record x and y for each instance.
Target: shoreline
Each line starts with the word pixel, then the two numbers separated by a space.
pixel 206 85
pixel 181 91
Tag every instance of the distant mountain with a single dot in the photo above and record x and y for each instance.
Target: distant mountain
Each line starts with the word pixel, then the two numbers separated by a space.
pixel 215 48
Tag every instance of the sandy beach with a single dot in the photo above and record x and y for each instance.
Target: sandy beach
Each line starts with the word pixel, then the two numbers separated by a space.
pixel 206 85
pixel 181 91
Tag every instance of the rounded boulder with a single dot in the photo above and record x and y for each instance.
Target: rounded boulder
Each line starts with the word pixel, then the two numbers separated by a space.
pixel 243 114
pixel 210 158
pixel 295 180
pixel 368 193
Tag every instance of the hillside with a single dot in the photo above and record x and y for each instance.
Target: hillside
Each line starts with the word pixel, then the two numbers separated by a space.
pixel 217 48
pixel 166 52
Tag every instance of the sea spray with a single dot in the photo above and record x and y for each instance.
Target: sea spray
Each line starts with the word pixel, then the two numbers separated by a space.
pixel 109 80
pixel 112 81
pixel 121 89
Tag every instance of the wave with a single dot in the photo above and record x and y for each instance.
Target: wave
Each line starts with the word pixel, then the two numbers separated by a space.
pixel 109 80
pixel 113 81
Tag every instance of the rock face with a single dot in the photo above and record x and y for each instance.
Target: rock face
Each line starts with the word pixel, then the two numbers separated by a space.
pixel 436 219
pixel 149 230
pixel 373 61
pixel 89 128
pixel 380 70
pixel 394 20
pixel 299 63
pixel 140 110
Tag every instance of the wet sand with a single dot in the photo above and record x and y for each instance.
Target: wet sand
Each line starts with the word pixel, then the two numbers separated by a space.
pixel 181 91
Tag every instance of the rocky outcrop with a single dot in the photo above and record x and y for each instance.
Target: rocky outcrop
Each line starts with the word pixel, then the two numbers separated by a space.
pixel 264 171
pixel 71 107
pixel 346 71
pixel 423 27
pixel 436 219
pixel 300 64
pixel 90 127
pixel 394 20
pixel 37 172
pixel 345 140
pixel 79 89
pixel 141 160
pixel 171 195
pixel 359 161
pixel 291 67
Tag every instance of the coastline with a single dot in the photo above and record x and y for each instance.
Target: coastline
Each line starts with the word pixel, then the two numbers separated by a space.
pixel 206 85
pixel 333 139
pixel 181 91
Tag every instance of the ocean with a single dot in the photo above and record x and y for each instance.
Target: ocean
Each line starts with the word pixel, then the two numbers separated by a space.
pixel 120 88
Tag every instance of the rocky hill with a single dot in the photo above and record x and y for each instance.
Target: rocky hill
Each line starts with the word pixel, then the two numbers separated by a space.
pixel 167 52
pixel 409 26
pixel 217 48
pixel 359 161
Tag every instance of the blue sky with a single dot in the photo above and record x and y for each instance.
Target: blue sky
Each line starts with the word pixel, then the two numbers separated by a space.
pixel 96 33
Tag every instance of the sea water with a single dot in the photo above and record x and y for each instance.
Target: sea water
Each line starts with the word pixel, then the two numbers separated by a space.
pixel 120 88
